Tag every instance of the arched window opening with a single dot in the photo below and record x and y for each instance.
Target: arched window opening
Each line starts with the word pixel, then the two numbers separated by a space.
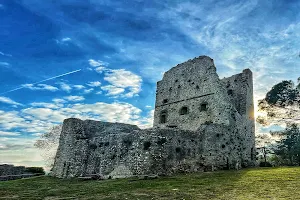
pixel 203 107
pixel 163 117
pixel 184 110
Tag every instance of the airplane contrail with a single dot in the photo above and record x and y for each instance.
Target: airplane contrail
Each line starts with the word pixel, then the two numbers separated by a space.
pixel 42 81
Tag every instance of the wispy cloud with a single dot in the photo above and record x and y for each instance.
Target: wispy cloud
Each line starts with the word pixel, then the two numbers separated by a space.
pixel 78 87
pixel 6 133
pixel 56 100
pixel 74 98
pixel 96 63
pixel 7 100
pixel 113 90
pixel 4 54
pixel 46 105
pixel 87 91
pixel 66 39
pixel 5 64
pixel 40 87
pixel 94 84
pixel 65 87
pixel 63 41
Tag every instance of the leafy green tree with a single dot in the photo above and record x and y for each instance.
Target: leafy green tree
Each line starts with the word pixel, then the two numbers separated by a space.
pixel 288 147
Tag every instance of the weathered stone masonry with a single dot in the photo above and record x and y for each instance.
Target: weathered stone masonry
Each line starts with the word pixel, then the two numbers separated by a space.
pixel 201 123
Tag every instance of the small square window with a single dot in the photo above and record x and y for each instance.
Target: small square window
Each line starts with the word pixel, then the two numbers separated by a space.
pixel 183 110
pixel 203 107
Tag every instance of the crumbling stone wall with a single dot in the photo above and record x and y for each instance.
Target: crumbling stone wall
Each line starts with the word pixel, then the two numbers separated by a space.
pixel 200 123
pixel 120 150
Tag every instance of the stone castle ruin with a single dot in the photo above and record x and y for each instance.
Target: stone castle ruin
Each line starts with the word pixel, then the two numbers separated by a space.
pixel 201 123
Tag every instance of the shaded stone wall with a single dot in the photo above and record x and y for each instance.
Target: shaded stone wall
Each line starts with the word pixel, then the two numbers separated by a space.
pixel 240 90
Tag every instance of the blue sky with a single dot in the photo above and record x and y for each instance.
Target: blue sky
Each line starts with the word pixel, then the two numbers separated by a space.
pixel 115 51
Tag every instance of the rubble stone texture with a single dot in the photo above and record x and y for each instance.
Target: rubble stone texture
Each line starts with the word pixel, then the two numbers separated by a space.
pixel 201 123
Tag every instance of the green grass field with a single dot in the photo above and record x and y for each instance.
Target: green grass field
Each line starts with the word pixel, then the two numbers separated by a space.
pixel 260 183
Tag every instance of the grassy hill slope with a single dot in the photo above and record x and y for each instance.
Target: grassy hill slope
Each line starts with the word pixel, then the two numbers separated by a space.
pixel 260 183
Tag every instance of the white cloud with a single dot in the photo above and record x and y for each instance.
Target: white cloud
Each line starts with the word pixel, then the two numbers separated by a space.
pixel 78 87
pixel 4 64
pixel 96 63
pixel 113 90
pixel 45 114
pixel 66 39
pixel 122 83
pixel 65 87
pixel 46 105
pixel 115 112
pixel 74 98
pixel 56 100
pixel 94 84
pixel 12 119
pixel 87 91
pixel 7 100
pixel 63 41
pixel 40 87
pixel 121 80
pixel 7 133
pixel 100 69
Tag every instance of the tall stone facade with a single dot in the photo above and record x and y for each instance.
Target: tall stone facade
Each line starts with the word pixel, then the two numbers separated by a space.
pixel 201 123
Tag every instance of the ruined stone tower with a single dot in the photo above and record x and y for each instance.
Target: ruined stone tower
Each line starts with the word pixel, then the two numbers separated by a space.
pixel 201 123
pixel 191 94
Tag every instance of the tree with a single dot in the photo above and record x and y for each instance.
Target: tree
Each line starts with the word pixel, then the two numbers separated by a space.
pixel 264 147
pixel 289 145
pixel 35 170
pixel 281 104
pixel 48 144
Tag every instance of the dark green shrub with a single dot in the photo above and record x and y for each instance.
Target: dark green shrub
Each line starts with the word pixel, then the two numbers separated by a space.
pixel 265 164
pixel 35 170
